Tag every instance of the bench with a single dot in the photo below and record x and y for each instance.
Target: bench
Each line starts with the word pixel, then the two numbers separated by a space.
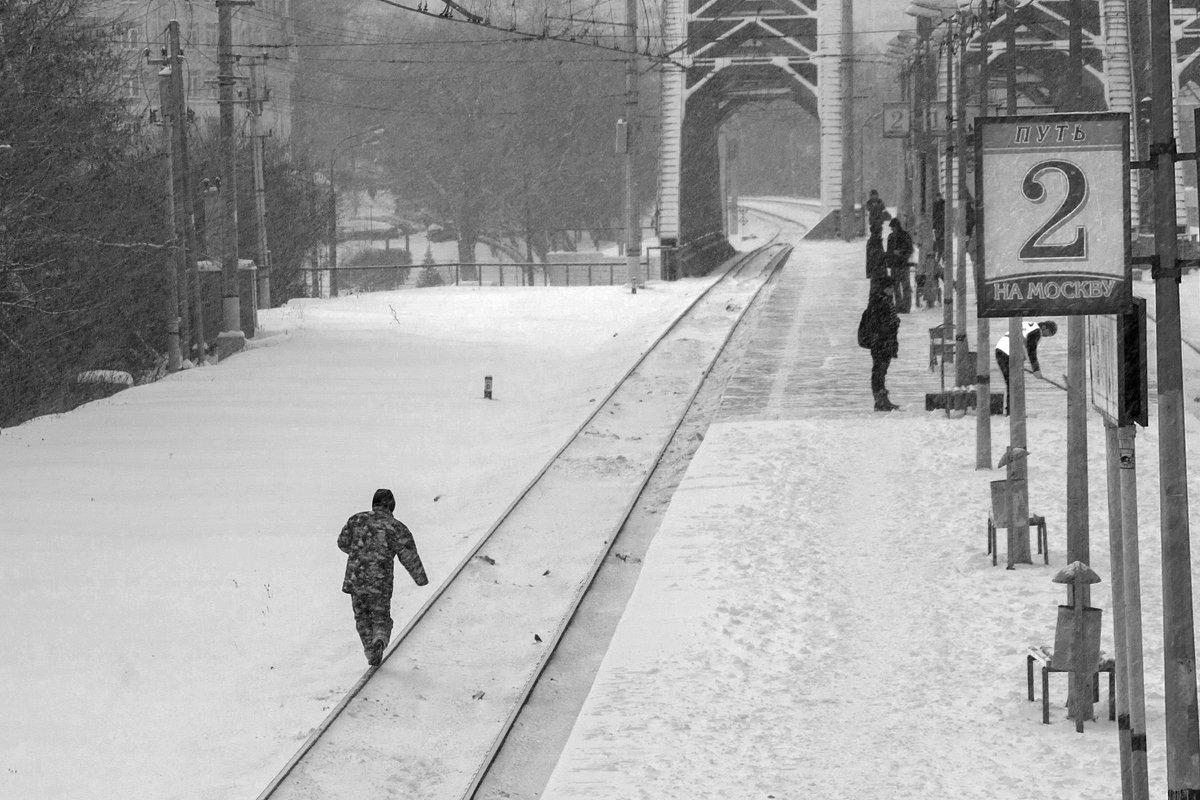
pixel 999 517
pixel 1043 656
pixel 941 345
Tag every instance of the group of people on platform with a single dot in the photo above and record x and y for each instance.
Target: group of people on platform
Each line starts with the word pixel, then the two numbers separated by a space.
pixel 888 269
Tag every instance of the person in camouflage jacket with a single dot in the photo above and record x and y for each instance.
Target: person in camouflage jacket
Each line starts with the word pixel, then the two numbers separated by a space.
pixel 371 539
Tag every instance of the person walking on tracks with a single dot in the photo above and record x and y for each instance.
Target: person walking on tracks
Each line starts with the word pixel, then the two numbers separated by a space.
pixel 899 251
pixel 371 540
pixel 1032 332
pixel 878 330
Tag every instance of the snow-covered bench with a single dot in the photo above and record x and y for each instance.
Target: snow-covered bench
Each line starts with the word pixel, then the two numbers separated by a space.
pixel 1043 655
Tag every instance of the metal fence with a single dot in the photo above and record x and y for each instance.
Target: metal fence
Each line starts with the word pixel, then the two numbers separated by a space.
pixel 381 277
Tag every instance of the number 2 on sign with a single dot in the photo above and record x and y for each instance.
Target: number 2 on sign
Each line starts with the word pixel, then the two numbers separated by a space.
pixel 1035 247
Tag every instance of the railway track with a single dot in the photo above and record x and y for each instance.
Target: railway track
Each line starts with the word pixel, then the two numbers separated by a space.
pixel 428 722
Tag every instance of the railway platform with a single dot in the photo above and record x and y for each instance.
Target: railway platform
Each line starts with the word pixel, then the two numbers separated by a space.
pixel 778 642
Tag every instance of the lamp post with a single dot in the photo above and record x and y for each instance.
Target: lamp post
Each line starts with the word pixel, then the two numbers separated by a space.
pixel 333 154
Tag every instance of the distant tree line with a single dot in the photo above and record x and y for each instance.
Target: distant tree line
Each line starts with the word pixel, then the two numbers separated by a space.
pixel 510 138
pixel 84 241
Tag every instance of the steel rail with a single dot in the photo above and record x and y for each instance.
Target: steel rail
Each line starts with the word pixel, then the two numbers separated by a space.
pixel 775 262
pixel 732 271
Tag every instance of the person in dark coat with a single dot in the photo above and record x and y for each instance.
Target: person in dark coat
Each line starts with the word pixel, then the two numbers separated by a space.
pixel 939 227
pixel 1033 333
pixel 371 540
pixel 876 211
pixel 876 257
pixel 899 251
pixel 881 326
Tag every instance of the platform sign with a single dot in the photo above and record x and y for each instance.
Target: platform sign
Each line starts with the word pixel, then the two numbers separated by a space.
pixel 897 122
pixel 1052 198
pixel 1117 355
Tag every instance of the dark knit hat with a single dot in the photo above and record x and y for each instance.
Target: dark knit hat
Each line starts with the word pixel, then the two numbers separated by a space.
pixel 383 497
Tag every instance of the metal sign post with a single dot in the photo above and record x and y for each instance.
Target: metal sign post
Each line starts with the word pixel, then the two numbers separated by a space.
pixel 1119 388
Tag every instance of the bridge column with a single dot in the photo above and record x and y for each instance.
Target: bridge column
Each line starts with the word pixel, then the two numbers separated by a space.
pixel 699 186
pixel 829 61
pixel 670 154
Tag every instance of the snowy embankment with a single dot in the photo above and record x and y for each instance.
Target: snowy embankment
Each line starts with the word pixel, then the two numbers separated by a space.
pixel 169 579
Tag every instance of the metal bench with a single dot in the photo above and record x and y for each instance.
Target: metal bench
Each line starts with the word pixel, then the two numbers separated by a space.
pixel 941 345
pixel 1043 655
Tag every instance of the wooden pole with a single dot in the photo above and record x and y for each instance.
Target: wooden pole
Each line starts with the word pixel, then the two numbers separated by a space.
pixel 174 357
pixel 1179 650
pixel 954 233
pixel 1019 532
pixel 185 202
pixel 1134 683
pixel 231 339
pixel 983 328
pixel 1117 559
pixel 949 296
pixel 257 95
pixel 1078 537
pixel 633 234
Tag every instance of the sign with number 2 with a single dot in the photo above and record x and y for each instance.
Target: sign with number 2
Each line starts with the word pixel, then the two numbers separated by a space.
pixel 896 123
pixel 1053 206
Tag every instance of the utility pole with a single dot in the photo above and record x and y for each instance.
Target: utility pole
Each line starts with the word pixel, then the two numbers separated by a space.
pixel 983 328
pixel 174 359
pixel 332 266
pixel 846 214
pixel 1179 640
pixel 231 339
pixel 633 225
pixel 962 371
pixel 259 93
pixel 950 296
pixel 1018 533
pixel 185 200
pixel 1078 537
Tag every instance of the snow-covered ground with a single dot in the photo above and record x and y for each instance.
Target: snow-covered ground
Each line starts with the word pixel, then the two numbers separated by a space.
pixel 816 615
pixel 169 580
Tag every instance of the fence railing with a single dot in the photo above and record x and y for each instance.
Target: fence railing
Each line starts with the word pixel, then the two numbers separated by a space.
pixel 378 277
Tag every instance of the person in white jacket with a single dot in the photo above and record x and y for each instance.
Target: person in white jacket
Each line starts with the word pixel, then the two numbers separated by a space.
pixel 1032 332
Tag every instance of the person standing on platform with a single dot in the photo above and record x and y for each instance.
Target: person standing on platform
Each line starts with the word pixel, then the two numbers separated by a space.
pixel 899 251
pixel 1032 332
pixel 878 331
pixel 371 540
pixel 939 229
pixel 876 211
pixel 876 257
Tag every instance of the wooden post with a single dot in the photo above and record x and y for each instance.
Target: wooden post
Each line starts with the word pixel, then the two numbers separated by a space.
pixel 231 339
pixel 1083 646
pixel 1134 684
pixel 1116 556
pixel 983 330
pixel 1179 651
pixel 174 356
pixel 1018 534
pixel 1077 471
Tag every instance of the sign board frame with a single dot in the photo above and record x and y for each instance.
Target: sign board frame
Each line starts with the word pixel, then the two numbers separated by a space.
pixel 897 120
pixel 1119 372
pixel 1071 255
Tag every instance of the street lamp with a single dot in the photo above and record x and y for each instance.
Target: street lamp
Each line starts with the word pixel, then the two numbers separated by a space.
pixel 333 154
